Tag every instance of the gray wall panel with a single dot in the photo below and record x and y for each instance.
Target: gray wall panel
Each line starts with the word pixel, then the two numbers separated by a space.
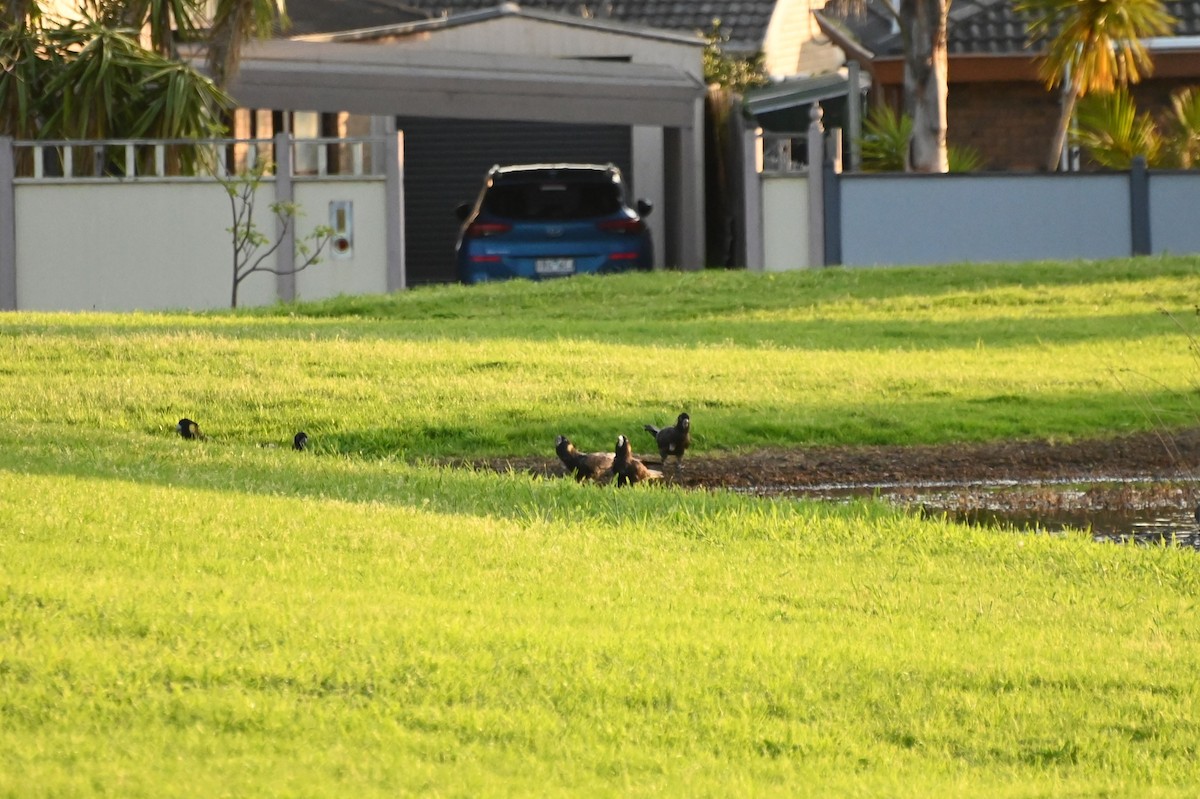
pixel 928 219
pixel 1174 212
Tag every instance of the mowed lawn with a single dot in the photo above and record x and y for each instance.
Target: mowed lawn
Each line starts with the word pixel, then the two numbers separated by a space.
pixel 229 617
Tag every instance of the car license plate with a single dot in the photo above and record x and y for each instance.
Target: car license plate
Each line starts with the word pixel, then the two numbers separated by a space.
pixel 554 266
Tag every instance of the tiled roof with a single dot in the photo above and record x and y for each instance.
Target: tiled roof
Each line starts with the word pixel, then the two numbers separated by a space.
pixel 744 21
pixel 324 16
pixel 976 26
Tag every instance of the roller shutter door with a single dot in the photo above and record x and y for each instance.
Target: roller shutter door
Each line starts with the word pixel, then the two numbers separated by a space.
pixel 445 161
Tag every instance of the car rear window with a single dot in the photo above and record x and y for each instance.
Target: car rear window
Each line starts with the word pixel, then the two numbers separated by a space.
pixel 552 199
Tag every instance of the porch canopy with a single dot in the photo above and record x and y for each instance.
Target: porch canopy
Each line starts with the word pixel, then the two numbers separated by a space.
pixel 387 81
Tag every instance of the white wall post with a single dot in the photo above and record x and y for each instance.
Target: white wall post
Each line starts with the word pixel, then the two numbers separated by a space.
pixel 752 201
pixel 816 187
pixel 8 227
pixel 285 228
pixel 397 272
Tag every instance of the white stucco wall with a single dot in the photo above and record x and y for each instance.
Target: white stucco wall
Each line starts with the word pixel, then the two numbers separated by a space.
pixel 785 222
pixel 794 45
pixel 113 246
pixel 363 272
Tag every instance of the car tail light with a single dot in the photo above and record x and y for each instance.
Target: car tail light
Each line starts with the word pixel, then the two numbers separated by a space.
pixel 481 230
pixel 630 227
pixel 485 259
pixel 623 256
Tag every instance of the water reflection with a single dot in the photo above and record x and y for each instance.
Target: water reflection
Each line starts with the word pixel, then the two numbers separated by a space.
pixel 1143 526
pixel 1111 510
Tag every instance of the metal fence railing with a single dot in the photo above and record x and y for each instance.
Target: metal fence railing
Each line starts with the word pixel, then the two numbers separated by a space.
pixel 784 153
pixel 160 159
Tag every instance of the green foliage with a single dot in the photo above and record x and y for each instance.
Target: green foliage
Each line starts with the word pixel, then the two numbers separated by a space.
pixel 885 140
pixel 248 240
pixel 884 143
pixel 1182 128
pixel 1098 43
pixel 223 618
pixel 1113 132
pixel 84 80
pixel 964 159
pixel 736 73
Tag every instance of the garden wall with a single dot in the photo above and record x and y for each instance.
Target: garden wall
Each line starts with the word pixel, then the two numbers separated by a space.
pixel 158 241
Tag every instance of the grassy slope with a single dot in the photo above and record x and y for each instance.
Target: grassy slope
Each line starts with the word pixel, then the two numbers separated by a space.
pixel 813 357
pixel 219 618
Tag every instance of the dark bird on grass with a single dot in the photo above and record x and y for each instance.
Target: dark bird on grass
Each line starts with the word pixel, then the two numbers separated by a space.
pixel 674 440
pixel 628 470
pixel 584 465
pixel 188 429
pixel 300 441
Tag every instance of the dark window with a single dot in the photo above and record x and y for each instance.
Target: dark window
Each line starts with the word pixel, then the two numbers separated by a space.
pixel 552 199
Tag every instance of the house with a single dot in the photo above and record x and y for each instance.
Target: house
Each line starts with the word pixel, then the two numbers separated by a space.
pixel 579 89
pixel 499 85
pixel 783 30
pixel 996 101
pixel 446 158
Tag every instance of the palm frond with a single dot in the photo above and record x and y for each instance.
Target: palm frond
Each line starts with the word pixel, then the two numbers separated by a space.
pixel 1113 133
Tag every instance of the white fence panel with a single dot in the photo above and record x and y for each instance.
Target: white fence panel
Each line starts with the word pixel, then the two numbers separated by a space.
pixel 785 221
pixel 365 271
pixel 126 246
pixel 165 245
pixel 106 226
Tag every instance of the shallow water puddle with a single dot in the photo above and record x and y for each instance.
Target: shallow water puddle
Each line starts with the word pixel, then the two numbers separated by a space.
pixel 1111 510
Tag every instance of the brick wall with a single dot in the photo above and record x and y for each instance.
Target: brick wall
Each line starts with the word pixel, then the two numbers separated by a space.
pixel 1012 124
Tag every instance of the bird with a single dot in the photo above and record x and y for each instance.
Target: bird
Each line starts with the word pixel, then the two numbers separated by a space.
pixel 584 465
pixel 188 429
pixel 673 440
pixel 628 470
pixel 300 441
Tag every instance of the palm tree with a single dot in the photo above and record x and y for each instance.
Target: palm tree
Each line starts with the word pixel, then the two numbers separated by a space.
pixel 82 79
pixel 1095 45
pixel 234 23
pixel 90 76
pixel 1183 128
pixel 1113 133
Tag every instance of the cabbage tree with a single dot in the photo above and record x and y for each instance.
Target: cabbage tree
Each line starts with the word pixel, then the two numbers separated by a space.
pixel 1095 46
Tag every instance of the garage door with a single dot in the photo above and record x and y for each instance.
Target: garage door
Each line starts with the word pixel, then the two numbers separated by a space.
pixel 445 161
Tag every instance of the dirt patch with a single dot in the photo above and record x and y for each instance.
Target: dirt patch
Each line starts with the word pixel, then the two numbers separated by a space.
pixel 1172 460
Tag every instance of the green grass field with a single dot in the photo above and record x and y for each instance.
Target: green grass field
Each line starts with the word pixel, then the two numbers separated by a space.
pixel 223 618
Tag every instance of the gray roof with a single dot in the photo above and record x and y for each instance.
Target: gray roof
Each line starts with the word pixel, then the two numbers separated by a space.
pixel 976 26
pixel 323 16
pixel 743 21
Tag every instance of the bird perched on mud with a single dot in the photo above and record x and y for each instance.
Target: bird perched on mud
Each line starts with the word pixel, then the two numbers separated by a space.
pixel 673 440
pixel 300 441
pixel 188 429
pixel 628 470
pixel 584 465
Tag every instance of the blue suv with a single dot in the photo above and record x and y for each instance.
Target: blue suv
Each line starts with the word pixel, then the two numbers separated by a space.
pixel 541 221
